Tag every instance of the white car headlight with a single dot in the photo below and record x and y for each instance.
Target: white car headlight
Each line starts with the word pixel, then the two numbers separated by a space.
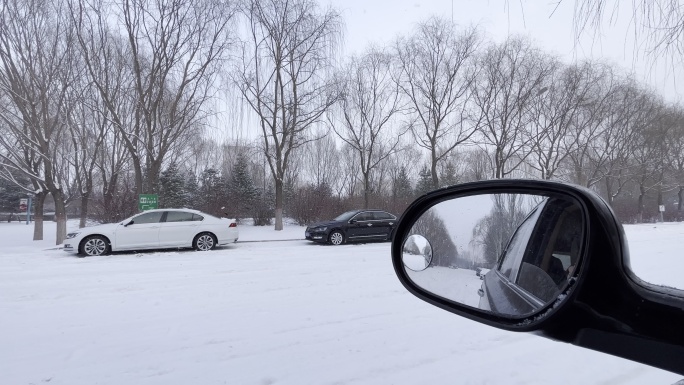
pixel 72 235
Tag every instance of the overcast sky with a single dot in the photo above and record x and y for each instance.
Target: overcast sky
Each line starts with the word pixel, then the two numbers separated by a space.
pixel 380 21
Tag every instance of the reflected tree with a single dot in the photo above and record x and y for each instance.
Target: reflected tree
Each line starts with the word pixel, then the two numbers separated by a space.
pixel 432 227
pixel 493 232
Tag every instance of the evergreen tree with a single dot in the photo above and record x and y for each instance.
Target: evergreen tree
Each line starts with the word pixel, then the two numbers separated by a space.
pixel 209 191
pixel 402 186
pixel 424 184
pixel 10 194
pixel 224 204
pixel 448 176
pixel 172 188
pixel 262 212
pixel 242 189
pixel 192 192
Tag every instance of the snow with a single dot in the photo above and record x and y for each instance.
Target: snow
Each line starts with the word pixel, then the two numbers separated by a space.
pixel 656 252
pixel 279 312
pixel 440 280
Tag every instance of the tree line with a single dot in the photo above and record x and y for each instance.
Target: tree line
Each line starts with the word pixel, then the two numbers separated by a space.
pixel 102 101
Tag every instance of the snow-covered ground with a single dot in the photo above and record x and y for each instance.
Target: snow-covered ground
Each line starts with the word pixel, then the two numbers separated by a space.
pixel 281 312
pixel 656 252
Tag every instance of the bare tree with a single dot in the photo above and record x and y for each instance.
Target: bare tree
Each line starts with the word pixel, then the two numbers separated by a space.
pixel 628 112
pixel 675 155
pixel 649 152
pixel 350 176
pixel 37 60
pixel 436 73
pixel 173 51
pixel 554 118
pixel 88 128
pixel 656 25
pixel 512 75
pixel 285 77
pixel 322 161
pixel 366 112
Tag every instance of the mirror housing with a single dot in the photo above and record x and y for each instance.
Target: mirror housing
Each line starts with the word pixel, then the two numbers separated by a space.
pixel 606 308
pixel 129 223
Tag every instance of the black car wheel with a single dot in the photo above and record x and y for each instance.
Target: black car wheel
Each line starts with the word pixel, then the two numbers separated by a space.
pixel 204 242
pixel 93 246
pixel 336 238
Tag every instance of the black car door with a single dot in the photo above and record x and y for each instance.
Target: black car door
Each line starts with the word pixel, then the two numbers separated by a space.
pixel 383 223
pixel 499 292
pixel 361 226
pixel 534 267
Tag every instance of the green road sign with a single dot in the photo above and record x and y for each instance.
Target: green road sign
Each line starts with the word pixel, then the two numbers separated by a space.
pixel 147 202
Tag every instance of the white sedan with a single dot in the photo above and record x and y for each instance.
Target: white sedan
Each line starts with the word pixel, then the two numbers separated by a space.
pixel 154 229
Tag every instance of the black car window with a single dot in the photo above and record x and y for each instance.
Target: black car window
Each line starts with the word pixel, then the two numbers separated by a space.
pixel 363 217
pixel 382 216
pixel 179 216
pixel 551 252
pixel 556 246
pixel 152 217
pixel 345 217
pixel 518 244
pixel 197 218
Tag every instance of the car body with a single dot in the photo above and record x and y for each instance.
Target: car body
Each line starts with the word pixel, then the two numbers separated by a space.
pixel 354 226
pixel 154 229
pixel 522 282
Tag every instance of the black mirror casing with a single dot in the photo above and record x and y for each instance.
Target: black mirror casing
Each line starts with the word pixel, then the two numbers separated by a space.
pixel 605 307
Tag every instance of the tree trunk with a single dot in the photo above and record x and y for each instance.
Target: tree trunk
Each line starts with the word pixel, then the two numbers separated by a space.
pixel 609 191
pixel 60 215
pixel 279 204
pixel 152 178
pixel 39 203
pixel 84 211
pixel 498 166
pixel 641 204
pixel 108 191
pixel 680 195
pixel 366 192
pixel 433 170
pixel 137 168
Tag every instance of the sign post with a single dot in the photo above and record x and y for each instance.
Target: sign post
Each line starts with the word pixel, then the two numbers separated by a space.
pixel 148 202
pixel 24 205
pixel 661 208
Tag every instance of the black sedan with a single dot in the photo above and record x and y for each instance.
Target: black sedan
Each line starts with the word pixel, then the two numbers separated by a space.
pixel 354 226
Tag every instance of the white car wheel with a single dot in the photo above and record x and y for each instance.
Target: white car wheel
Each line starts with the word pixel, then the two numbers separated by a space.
pixel 94 246
pixel 204 242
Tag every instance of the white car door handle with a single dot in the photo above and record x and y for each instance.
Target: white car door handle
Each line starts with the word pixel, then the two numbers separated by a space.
pixel 154 227
pixel 370 224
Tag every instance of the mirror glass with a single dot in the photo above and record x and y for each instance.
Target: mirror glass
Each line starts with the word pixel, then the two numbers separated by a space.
pixel 507 253
pixel 416 252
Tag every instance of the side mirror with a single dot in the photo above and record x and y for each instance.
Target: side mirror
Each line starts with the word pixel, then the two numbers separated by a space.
pixel 129 223
pixel 352 221
pixel 537 256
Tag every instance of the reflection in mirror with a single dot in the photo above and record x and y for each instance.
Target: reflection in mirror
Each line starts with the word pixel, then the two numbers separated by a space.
pixel 416 252
pixel 507 253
